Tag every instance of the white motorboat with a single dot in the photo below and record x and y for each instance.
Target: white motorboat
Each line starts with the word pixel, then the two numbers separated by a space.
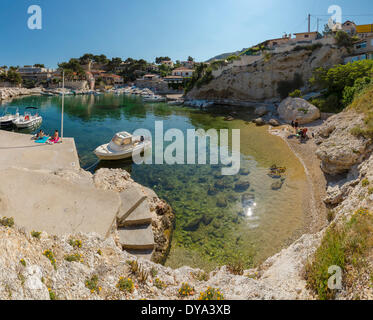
pixel 7 119
pixel 28 120
pixel 122 146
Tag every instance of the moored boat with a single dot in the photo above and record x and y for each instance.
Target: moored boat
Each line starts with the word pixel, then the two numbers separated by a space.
pixel 122 146
pixel 28 120
pixel 7 119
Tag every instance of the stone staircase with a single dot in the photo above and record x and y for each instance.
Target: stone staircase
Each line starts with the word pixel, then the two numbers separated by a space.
pixel 135 223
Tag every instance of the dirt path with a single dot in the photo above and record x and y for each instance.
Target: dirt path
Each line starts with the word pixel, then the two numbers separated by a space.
pixel 306 152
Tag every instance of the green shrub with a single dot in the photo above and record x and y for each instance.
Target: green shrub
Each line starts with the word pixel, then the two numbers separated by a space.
pixel 343 39
pixel 236 267
pixel 159 284
pixel 92 284
pixel 74 257
pixel 365 182
pixel 343 245
pixel 296 94
pixel 211 294
pixel 75 243
pixel 7 222
pixel 186 290
pixel 36 234
pixel 49 254
pixel 125 284
pixel 363 103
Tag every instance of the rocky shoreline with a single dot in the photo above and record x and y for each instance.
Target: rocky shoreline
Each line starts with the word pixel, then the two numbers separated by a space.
pixel 8 93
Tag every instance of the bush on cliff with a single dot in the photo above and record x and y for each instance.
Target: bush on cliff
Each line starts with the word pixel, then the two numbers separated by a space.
pixel 342 83
pixel 201 76
pixel 363 103
pixel 346 245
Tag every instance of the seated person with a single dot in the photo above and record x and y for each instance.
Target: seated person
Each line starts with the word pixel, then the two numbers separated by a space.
pixel 40 135
pixel 55 137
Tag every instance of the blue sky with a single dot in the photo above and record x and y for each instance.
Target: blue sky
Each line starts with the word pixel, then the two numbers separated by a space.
pixel 150 28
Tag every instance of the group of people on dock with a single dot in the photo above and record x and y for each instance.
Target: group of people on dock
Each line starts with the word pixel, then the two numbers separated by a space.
pixel 42 136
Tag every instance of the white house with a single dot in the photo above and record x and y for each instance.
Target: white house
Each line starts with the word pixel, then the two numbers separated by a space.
pixel 183 72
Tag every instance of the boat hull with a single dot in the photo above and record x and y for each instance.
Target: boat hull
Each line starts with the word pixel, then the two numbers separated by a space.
pixel 27 124
pixel 112 156
pixel 6 123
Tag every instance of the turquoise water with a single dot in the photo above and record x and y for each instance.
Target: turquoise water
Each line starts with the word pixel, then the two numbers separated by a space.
pixel 218 219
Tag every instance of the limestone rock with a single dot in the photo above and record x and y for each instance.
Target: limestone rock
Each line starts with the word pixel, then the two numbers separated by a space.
pixel 259 122
pixel 258 80
pixel 339 150
pixel 296 108
pixel 274 123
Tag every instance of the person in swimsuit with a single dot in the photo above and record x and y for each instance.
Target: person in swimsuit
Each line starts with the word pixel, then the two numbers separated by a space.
pixel 56 137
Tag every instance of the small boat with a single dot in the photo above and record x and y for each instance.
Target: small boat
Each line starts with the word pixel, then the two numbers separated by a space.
pixel 122 146
pixel 28 120
pixel 7 119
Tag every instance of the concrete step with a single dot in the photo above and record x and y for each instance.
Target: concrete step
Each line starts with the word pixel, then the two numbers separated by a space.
pixel 131 198
pixel 139 216
pixel 137 238
pixel 144 254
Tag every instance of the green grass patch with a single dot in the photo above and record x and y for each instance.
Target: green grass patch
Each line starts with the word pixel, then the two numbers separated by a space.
pixel 345 244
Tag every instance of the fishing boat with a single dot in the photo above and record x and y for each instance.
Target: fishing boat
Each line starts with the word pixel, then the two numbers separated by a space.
pixel 28 120
pixel 122 146
pixel 7 119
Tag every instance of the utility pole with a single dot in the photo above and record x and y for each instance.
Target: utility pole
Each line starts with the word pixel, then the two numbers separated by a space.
pixel 309 23
pixel 318 21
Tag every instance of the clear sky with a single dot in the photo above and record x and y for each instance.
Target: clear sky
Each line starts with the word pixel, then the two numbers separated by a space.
pixel 150 28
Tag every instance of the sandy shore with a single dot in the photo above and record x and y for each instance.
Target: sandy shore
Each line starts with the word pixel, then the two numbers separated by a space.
pixel 314 207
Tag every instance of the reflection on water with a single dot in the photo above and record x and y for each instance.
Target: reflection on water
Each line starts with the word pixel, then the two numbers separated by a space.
pixel 218 218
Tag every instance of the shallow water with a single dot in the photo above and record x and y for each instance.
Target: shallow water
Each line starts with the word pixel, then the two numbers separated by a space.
pixel 215 222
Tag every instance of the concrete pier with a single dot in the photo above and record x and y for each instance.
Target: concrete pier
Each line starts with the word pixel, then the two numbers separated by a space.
pixel 18 150
pixel 40 200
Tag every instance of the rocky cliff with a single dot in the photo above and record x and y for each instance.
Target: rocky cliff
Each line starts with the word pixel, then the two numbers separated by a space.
pixel 259 81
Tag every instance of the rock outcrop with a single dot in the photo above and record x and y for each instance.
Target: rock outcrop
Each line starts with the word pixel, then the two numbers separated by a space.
pixel 339 149
pixel 259 81
pixel 292 109
pixel 7 93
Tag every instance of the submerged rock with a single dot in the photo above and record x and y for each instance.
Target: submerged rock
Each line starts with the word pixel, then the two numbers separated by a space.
pixel 222 202
pixel 259 122
pixel 193 225
pixel 212 191
pixel 242 186
pixel 278 184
